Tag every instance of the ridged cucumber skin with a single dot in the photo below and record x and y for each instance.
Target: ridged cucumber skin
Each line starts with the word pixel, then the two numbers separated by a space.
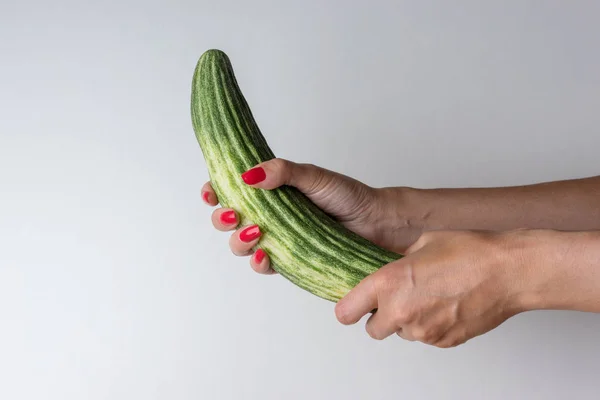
pixel 305 245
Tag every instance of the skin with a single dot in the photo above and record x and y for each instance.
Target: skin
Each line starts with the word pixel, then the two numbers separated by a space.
pixel 474 257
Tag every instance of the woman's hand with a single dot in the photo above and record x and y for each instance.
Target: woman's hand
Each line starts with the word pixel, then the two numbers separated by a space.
pixel 371 213
pixel 450 287
pixel 455 285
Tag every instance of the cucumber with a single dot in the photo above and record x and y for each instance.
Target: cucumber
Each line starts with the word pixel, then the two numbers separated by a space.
pixel 305 245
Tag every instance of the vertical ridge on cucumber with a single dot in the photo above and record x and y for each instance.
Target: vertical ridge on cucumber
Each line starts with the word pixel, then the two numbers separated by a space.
pixel 305 245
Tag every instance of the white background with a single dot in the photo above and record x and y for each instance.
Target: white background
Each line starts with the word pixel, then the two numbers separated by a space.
pixel 113 284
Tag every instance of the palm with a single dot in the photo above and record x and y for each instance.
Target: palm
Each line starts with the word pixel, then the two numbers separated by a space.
pixel 360 208
pixel 369 212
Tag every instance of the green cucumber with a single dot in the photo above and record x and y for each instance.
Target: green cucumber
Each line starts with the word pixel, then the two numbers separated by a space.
pixel 305 245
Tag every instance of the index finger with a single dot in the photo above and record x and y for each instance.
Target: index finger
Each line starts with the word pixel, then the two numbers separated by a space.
pixel 358 302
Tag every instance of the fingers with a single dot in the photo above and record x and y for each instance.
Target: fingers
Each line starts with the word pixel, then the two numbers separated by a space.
pixel 224 219
pixel 405 334
pixel 357 303
pixel 428 331
pixel 208 195
pixel 244 239
pixel 382 291
pixel 260 263
pixel 451 338
pixel 380 325
pixel 277 172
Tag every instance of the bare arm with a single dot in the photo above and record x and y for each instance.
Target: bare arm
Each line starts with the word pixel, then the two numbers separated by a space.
pixel 569 205
pixel 564 270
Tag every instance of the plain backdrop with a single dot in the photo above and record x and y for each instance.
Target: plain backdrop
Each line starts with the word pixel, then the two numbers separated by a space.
pixel 113 284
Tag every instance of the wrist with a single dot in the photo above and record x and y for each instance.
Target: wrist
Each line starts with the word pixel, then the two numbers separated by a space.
pixel 558 270
pixel 403 214
pixel 526 261
pixel 406 207
pixel 431 209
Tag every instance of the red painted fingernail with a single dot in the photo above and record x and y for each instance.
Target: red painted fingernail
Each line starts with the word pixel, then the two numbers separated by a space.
pixel 228 217
pixel 254 175
pixel 205 196
pixel 250 233
pixel 259 255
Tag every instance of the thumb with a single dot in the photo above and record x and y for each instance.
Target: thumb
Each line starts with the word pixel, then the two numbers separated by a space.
pixel 271 174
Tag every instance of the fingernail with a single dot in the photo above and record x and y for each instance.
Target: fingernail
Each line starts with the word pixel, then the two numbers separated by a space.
pixel 250 233
pixel 205 196
pixel 259 256
pixel 254 176
pixel 228 217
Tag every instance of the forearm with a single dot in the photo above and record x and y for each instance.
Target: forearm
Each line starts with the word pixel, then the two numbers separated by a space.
pixel 561 270
pixel 571 205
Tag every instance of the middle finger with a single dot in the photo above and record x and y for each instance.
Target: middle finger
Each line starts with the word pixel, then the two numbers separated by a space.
pixel 224 219
pixel 244 239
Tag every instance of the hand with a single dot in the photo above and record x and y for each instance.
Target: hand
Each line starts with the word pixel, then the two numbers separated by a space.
pixel 371 213
pixel 451 287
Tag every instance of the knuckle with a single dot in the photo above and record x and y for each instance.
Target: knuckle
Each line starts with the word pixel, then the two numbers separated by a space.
pixel 279 164
pixel 448 343
pixel 403 315
pixel 282 171
pixel 418 333
pixel 403 335
pixel 373 333
pixel 319 180
pixel 424 334
pixel 383 280
pixel 378 280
